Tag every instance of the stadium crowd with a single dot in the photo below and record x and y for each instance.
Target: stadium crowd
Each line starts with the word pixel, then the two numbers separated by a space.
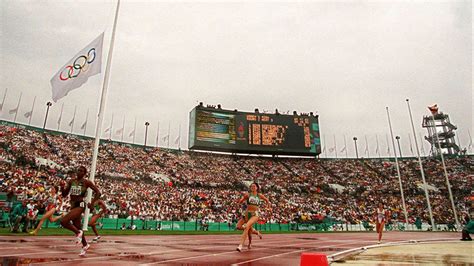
pixel 161 184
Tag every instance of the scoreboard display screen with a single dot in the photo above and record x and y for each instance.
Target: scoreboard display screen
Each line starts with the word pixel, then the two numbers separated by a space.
pixel 242 132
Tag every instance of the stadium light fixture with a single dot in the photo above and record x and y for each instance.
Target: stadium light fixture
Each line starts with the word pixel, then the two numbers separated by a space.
pixel 399 147
pixel 355 144
pixel 146 131
pixel 48 104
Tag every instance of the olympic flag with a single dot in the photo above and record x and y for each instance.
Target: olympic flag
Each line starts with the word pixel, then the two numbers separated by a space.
pixel 86 63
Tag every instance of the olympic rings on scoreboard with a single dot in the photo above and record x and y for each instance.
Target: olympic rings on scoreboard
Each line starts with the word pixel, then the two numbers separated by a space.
pixel 81 64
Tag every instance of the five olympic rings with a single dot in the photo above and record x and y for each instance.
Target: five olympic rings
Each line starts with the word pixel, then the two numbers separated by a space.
pixel 81 64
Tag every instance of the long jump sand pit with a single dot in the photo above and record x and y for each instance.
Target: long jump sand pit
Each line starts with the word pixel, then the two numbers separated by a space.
pixel 439 253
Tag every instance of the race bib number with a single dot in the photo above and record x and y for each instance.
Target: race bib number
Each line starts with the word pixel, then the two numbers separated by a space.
pixel 76 190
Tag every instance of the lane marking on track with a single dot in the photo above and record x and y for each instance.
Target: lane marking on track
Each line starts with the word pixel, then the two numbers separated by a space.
pixel 295 251
pixel 35 253
pixel 235 252
pixel 154 253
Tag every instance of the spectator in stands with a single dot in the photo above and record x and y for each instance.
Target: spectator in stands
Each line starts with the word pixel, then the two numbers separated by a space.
pixel 19 215
pixel 468 229
pixel 127 177
pixel 32 215
pixel 205 224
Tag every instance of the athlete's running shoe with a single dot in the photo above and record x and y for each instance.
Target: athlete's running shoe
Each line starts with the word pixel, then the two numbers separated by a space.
pixel 84 250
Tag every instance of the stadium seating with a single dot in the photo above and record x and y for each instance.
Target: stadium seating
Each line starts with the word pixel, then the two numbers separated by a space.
pixel 166 185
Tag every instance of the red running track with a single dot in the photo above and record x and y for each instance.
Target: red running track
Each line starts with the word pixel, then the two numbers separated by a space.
pixel 273 249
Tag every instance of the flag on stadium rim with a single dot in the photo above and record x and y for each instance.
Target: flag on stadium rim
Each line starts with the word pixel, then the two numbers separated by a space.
pixel 177 140
pixel 75 72
pixel 343 149
pixel 119 131
pixel 13 111
pixel 131 133
pixel 72 121
pixel 84 125
pixel 28 114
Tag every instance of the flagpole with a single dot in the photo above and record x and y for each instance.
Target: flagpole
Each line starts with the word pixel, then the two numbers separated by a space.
pixel 378 150
pixel 398 170
pixel 179 137
pixel 169 125
pixel 345 145
pixel 459 143
pixel 123 128
pixel 32 108
pixel 367 146
pixel 4 97
pixel 335 145
pixel 111 127
pixel 470 141
pixel 17 107
pixel 421 144
pixel 98 128
pixel 458 225
pixel 85 125
pixel 157 142
pixel 411 145
pixel 421 169
pixel 134 130
pixel 388 146
pixel 73 118
pixel 60 116
pixel 325 152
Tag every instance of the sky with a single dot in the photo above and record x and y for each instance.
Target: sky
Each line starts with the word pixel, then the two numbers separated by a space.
pixel 346 61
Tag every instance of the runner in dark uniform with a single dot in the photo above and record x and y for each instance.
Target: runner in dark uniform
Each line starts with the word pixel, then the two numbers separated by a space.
pixel 77 189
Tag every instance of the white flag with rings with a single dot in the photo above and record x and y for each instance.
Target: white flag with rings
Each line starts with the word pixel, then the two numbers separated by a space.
pixel 86 63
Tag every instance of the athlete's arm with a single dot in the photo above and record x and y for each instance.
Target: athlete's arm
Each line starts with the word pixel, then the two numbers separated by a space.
pixel 97 193
pixel 244 198
pixel 266 200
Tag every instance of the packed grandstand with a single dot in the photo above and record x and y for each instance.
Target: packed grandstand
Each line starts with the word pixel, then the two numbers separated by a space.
pixel 173 185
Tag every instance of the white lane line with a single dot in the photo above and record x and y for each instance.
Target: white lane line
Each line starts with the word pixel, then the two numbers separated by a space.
pixel 223 253
pixel 35 253
pixel 145 254
pixel 290 252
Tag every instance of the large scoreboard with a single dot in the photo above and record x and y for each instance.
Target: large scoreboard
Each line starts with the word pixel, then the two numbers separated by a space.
pixel 244 132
